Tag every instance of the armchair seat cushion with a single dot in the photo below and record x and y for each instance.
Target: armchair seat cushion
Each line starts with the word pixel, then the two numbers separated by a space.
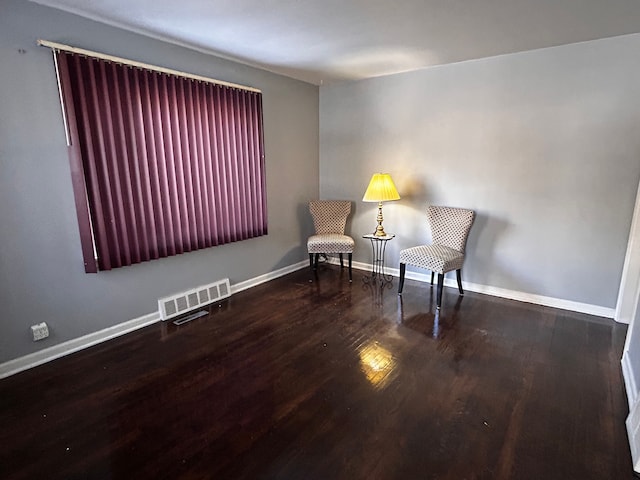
pixel 330 243
pixel 437 258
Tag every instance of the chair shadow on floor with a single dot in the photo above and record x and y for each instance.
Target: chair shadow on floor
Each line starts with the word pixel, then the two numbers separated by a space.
pixel 432 323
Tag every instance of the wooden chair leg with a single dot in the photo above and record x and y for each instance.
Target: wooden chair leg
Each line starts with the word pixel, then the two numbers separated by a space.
pixel 439 291
pixel 350 261
pixel 458 276
pixel 315 261
pixel 341 264
pixel 403 268
pixel 311 261
pixel 431 278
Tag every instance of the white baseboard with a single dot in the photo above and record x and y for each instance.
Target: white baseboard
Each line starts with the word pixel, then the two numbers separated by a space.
pixel 629 379
pixel 498 292
pixel 65 348
pixel 252 282
pixel 633 433
pixel 633 419
pixel 560 303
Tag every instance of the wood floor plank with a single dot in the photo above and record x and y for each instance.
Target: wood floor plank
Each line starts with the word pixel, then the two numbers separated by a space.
pixel 331 380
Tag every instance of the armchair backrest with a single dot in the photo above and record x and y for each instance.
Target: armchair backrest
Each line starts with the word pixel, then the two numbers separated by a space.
pixel 450 226
pixel 329 216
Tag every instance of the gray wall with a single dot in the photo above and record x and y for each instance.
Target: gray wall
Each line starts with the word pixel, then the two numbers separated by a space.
pixel 544 145
pixel 41 268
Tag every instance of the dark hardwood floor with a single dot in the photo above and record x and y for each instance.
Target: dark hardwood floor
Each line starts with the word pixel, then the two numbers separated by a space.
pixel 331 380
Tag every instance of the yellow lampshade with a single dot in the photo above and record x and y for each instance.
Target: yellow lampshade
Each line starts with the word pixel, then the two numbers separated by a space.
pixel 381 189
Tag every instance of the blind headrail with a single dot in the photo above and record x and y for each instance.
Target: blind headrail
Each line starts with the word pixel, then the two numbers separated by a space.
pixel 133 63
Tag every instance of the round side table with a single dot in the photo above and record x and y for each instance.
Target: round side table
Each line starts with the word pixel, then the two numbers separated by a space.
pixel 378 246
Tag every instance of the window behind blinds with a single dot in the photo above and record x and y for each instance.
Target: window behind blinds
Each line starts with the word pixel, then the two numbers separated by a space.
pixel 161 164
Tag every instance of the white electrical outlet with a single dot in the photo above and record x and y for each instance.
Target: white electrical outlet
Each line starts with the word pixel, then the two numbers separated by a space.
pixel 39 331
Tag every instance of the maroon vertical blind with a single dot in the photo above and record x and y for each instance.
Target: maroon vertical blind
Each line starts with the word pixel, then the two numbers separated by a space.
pixel 161 164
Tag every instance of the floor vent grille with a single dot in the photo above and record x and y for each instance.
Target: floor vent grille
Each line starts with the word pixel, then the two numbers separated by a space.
pixel 184 302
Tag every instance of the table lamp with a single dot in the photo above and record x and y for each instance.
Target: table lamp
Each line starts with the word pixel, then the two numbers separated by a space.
pixel 380 189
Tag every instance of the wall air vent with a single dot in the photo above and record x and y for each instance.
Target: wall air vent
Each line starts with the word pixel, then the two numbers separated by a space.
pixel 180 303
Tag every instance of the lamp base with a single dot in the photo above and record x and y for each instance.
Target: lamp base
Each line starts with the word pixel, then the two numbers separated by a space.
pixel 379 232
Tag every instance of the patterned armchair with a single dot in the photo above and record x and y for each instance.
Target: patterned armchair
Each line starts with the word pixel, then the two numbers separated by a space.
pixel 449 230
pixel 329 219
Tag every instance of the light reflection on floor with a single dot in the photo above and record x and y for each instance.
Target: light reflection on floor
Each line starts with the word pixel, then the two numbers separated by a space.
pixel 377 363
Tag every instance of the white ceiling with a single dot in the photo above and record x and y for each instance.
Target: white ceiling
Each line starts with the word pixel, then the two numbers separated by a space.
pixel 322 41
